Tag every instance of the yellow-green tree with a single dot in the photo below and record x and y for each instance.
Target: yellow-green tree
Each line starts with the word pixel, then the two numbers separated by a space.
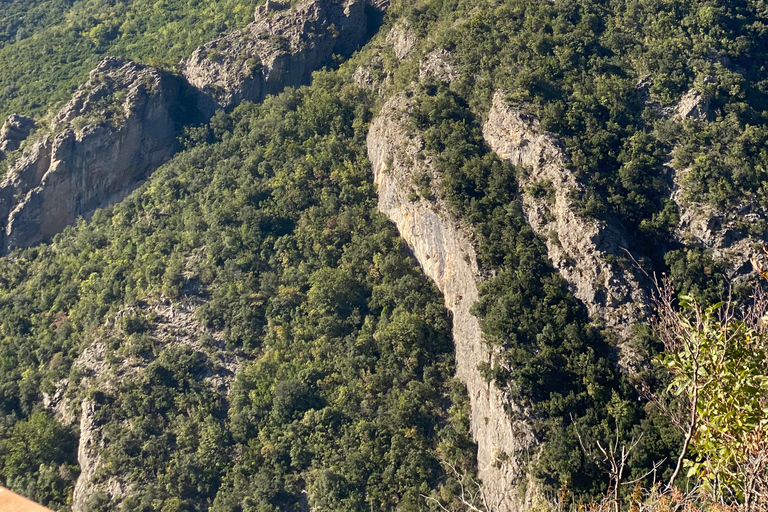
pixel 718 359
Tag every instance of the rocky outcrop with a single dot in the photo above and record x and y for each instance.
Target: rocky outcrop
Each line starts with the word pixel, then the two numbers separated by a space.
pixel 89 485
pixel 116 129
pixel 437 66
pixel 174 324
pixel 119 126
pixel 281 48
pixel 14 131
pixel 693 105
pixel 444 250
pixel 402 38
pixel 734 235
pixel 581 249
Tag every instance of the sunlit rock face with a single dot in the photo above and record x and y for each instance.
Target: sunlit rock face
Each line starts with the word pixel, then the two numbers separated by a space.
pixel 281 48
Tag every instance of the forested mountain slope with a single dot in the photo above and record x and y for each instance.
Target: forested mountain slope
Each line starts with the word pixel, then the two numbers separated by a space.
pixel 248 331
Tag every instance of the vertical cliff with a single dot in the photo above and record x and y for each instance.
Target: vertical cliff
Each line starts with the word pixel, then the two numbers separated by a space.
pixel 116 129
pixel 281 48
pixel 584 250
pixel 444 250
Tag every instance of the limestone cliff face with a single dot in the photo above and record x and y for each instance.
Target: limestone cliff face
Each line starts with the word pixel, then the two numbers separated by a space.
pixel 116 129
pixel 281 48
pixel 581 249
pixel 445 252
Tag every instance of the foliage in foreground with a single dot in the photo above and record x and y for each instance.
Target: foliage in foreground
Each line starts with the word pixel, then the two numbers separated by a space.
pixel 718 396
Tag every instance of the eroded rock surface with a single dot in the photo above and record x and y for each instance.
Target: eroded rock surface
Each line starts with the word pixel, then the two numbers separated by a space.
pixel 281 48
pixel 437 65
pixel 116 129
pixel 445 252
pixel 693 105
pixel 734 235
pixel 15 129
pixel 174 325
pixel 402 38
pixel 580 248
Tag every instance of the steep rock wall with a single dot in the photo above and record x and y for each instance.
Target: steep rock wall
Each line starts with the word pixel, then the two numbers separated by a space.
pixel 174 324
pixel 119 126
pixel 580 248
pixel 447 256
pixel 116 129
pixel 280 48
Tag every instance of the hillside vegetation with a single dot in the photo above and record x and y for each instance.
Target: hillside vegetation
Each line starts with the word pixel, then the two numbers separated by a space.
pixel 47 47
pixel 246 332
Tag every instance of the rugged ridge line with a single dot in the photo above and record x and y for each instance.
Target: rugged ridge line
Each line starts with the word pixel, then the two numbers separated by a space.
pixel 280 48
pixel 580 248
pixel 120 125
pixel 116 129
pixel 446 255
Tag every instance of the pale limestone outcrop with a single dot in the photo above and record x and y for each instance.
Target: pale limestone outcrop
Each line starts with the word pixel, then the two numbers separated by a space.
pixel 437 65
pixel 734 235
pixel 174 325
pixel 447 256
pixel 402 38
pixel 693 105
pixel 281 48
pixel 116 129
pixel 91 363
pixel 580 248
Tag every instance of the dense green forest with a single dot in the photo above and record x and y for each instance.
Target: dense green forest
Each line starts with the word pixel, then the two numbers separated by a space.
pixel 600 73
pixel 336 351
pixel 345 348
pixel 48 47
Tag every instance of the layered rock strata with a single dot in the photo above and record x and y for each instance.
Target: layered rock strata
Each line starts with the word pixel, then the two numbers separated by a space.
pixel 581 249
pixel 445 252
pixel 116 129
pixel 281 48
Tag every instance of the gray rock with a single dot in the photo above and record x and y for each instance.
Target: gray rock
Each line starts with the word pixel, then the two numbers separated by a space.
pixel 175 325
pixel 14 131
pixel 437 65
pixel 116 129
pixel 693 105
pixel 734 236
pixel 281 48
pixel 580 248
pixel 402 38
pixel 445 252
